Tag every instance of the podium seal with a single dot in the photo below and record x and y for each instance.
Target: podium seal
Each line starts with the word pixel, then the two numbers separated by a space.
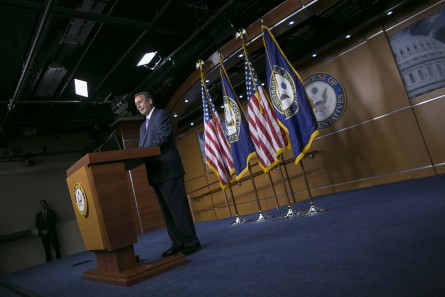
pixel 81 200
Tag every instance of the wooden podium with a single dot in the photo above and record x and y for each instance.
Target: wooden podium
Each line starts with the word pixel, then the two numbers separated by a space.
pixel 99 192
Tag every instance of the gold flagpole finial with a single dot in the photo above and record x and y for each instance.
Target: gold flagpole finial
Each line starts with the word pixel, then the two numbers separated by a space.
pixel 240 33
pixel 220 56
pixel 199 64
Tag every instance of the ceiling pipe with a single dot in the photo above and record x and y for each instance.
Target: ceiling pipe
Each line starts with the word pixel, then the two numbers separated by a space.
pixel 28 61
pixel 169 58
pixel 47 102
pixel 108 20
pixel 73 72
pixel 157 17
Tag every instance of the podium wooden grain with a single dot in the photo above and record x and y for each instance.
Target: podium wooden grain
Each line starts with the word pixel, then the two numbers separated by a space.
pixel 107 228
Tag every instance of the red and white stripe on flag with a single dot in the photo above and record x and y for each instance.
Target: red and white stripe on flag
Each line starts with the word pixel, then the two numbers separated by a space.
pixel 217 151
pixel 269 138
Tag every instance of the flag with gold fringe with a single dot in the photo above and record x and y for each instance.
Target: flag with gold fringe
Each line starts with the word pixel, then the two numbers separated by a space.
pixel 236 128
pixel 289 99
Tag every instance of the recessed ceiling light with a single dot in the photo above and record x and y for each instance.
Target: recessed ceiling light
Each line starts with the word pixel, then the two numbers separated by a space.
pixel 389 13
pixel 81 87
pixel 314 55
pixel 240 55
pixel 175 115
pixel 186 100
pixel 241 96
pixel 348 36
pixel 291 23
pixel 207 81
pixel 191 124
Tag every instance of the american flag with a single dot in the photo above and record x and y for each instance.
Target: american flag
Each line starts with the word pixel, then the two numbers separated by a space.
pixel 269 138
pixel 217 151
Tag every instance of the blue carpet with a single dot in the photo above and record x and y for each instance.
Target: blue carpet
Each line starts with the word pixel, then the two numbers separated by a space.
pixel 386 240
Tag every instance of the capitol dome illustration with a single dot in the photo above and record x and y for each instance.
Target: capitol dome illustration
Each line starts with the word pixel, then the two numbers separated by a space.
pixel 421 61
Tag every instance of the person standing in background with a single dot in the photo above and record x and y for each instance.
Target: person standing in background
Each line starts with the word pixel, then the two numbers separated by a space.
pixel 166 175
pixel 46 225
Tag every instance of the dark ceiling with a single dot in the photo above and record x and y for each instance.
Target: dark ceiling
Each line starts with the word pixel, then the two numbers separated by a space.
pixel 45 45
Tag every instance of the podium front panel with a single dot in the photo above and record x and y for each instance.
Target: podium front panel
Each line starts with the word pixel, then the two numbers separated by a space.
pixel 87 214
pixel 111 186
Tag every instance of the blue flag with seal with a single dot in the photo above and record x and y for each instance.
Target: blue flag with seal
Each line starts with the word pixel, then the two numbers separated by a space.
pixel 289 99
pixel 236 127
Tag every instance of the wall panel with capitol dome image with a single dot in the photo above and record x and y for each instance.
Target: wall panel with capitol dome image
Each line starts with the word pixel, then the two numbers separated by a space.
pixel 372 131
pixel 419 50
pixel 418 45
pixel 382 136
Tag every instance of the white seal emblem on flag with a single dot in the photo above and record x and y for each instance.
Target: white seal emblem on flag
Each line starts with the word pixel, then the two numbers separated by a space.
pixel 81 200
pixel 232 119
pixel 283 92
pixel 328 98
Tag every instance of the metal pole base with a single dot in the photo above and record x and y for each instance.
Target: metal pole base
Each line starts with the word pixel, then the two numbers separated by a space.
pixel 313 210
pixel 262 218
pixel 238 221
pixel 291 214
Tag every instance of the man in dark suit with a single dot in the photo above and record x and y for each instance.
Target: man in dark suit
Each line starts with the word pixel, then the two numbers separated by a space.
pixel 166 175
pixel 46 225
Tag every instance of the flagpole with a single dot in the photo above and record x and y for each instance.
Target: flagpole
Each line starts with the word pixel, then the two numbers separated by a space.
pixel 227 203
pixel 288 179
pixel 238 220
pixel 226 180
pixel 313 209
pixel 261 217
pixel 240 34
pixel 290 213
pixel 273 190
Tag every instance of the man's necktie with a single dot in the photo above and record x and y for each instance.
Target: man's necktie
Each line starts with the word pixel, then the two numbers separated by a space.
pixel 146 124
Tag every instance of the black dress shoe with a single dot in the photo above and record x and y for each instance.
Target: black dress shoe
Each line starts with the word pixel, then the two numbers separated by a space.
pixel 190 249
pixel 171 251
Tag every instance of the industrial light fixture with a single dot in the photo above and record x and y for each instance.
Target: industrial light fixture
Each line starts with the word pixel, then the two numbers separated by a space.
pixel 81 87
pixel 51 80
pixel 147 60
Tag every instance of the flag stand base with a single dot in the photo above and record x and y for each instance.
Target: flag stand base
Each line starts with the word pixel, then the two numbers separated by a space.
pixel 261 217
pixel 291 214
pixel 313 210
pixel 238 221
